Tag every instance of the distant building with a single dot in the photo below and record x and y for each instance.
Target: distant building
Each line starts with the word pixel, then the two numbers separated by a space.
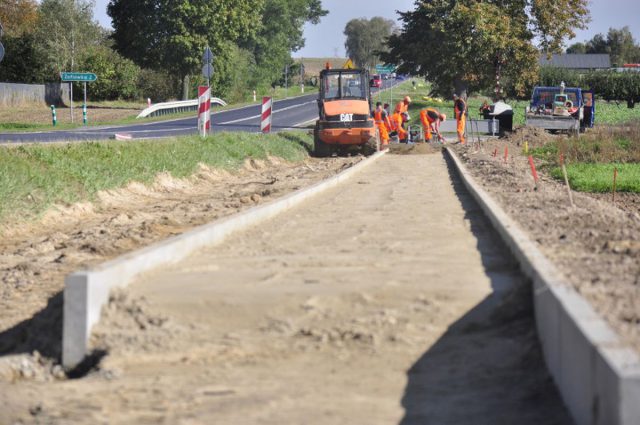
pixel 577 61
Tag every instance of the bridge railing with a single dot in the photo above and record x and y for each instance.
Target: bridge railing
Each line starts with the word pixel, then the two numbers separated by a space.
pixel 167 108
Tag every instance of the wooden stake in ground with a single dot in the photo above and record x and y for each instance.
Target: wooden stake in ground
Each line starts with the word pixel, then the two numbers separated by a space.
pixel 506 154
pixel 615 178
pixel 566 180
pixel 533 171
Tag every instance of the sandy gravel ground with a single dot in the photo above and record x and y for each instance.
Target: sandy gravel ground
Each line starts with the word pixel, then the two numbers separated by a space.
pixel 596 245
pixel 387 300
pixel 35 257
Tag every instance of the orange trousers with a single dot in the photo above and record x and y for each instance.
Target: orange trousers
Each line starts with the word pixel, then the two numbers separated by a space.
pixel 462 123
pixel 427 133
pixel 384 134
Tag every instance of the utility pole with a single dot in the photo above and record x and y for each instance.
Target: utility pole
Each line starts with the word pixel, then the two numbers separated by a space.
pixel 302 75
pixel 1 46
pixel 286 81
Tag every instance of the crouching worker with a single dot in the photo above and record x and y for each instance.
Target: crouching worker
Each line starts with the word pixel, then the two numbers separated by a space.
pixel 431 119
pixel 397 120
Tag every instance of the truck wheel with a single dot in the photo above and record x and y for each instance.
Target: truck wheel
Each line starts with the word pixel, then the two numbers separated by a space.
pixel 373 145
pixel 321 149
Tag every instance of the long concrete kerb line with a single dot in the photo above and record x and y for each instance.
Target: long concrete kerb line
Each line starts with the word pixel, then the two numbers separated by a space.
pixel 87 291
pixel 598 377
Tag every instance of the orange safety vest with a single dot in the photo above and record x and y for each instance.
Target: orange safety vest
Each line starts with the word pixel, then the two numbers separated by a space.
pixel 426 118
pixel 396 120
pixel 377 116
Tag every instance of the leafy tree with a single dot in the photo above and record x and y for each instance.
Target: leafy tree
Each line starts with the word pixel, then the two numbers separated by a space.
pixel 18 16
pixel 619 43
pixel 468 45
pixel 280 33
pixel 65 32
pixel 117 76
pixel 171 35
pixel 577 48
pixel 22 62
pixel 366 39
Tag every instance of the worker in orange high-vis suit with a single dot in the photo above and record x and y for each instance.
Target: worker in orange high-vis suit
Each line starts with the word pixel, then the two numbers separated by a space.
pixel 383 123
pixel 396 122
pixel 460 111
pixel 431 119
pixel 403 105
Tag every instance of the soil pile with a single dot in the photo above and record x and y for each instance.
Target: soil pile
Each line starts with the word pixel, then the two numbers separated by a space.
pixel 413 149
pixel 595 244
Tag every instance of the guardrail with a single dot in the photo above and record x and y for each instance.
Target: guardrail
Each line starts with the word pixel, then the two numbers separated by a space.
pixel 175 107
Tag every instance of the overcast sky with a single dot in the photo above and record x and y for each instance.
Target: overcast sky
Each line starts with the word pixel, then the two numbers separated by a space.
pixel 326 39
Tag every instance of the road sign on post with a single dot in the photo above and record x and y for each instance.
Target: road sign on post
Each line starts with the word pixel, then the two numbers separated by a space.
pixel 207 57
pixel 385 69
pixel 81 77
pixel 207 69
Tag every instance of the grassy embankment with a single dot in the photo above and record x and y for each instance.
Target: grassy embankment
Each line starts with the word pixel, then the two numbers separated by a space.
pixel 33 178
pixel 591 159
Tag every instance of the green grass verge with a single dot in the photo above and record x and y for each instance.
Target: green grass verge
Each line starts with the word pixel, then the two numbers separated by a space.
pixel 32 178
pixel 599 177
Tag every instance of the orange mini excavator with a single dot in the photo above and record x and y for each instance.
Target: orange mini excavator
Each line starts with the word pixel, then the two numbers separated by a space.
pixel 345 121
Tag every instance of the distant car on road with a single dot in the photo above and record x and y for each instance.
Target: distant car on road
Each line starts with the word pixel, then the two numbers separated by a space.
pixel 376 81
pixel 384 76
pixel 401 77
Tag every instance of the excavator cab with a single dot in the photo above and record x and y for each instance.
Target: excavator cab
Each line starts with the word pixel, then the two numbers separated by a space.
pixel 344 113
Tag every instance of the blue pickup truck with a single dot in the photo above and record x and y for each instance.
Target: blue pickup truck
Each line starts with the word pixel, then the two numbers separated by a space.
pixel 569 109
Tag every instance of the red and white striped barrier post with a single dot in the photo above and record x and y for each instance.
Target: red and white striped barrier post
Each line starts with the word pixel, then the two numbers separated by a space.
pixel 204 110
pixel 533 170
pixel 267 106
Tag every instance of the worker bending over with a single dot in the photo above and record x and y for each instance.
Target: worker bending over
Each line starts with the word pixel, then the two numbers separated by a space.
pixel 460 111
pixel 397 121
pixel 431 119
pixel 383 123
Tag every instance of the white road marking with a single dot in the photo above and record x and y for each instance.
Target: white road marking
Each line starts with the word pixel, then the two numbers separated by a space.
pixel 260 115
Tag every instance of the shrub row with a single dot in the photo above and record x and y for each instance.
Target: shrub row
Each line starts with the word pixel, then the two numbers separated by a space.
pixel 608 85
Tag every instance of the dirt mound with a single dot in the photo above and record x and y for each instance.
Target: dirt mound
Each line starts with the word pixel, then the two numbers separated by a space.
pixel 596 244
pixel 413 149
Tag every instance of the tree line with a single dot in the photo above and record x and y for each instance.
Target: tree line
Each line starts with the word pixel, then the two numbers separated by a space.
pixel 155 48
pixel 618 43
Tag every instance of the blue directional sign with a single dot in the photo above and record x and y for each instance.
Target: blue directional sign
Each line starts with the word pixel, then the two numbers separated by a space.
pixel 83 77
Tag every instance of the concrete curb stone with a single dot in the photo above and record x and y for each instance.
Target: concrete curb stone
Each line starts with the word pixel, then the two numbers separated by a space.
pixel 597 376
pixel 87 291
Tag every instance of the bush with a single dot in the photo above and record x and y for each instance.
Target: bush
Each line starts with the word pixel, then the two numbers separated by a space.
pixel 158 86
pixel 608 85
pixel 117 76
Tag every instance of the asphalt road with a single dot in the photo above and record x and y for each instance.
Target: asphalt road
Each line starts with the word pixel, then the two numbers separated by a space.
pixel 287 114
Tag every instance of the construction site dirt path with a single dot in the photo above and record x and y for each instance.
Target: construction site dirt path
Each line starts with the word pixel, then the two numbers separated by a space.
pixel 386 300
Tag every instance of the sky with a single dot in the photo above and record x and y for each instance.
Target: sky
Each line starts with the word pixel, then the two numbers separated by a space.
pixel 327 39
